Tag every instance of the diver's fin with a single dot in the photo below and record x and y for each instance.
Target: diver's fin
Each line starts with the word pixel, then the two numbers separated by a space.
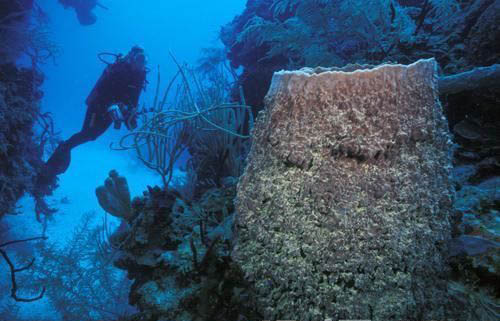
pixel 59 162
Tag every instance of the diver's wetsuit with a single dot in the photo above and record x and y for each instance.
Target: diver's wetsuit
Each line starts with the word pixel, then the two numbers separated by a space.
pixel 120 83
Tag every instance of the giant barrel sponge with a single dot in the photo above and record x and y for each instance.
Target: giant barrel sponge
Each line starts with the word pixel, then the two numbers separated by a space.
pixel 343 211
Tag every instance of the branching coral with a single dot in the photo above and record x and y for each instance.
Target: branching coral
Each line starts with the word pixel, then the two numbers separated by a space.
pixel 195 115
pixel 80 283
pixel 179 255
pixel 24 30
pixel 14 270
pixel 318 32
pixel 436 12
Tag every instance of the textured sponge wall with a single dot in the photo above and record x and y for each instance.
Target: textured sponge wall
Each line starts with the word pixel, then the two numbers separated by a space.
pixel 343 210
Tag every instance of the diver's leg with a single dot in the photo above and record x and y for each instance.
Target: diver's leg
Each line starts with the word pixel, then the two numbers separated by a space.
pixel 97 125
pixel 94 126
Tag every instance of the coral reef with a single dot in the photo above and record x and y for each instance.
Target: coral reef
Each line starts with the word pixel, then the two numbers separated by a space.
pixel 20 154
pixel 287 34
pixel 473 116
pixel 344 208
pixel 24 32
pixel 14 22
pixel 80 281
pixel 347 207
pixel 178 254
pixel 474 252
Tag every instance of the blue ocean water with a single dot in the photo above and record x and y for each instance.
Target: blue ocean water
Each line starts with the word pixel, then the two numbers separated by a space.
pixel 183 27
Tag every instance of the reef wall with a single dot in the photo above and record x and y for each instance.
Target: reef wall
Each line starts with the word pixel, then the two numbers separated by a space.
pixel 20 153
pixel 271 35
pixel 178 254
pixel 24 130
pixel 345 205
pixel 15 29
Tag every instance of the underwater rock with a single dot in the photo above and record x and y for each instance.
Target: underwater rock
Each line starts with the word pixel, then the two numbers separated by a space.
pixel 468 130
pixel 461 174
pixel 478 205
pixel 479 199
pixel 471 245
pixel 483 31
pixel 480 77
pixel 344 209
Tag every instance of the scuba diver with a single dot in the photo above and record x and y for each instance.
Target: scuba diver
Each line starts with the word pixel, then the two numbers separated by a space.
pixel 84 10
pixel 113 99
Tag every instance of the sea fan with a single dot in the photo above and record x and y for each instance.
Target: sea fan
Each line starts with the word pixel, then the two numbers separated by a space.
pixel 441 11
pixel 281 7
pixel 81 283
